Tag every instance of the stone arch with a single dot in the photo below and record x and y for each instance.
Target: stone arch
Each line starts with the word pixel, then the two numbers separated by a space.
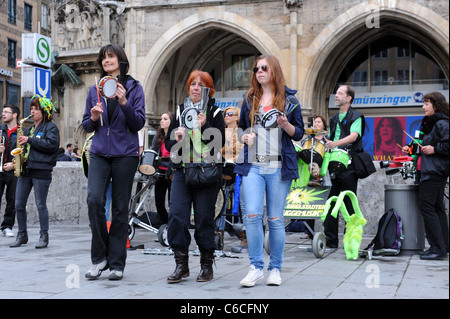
pixel 153 63
pixel 324 59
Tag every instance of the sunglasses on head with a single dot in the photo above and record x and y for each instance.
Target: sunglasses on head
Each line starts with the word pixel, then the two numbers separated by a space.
pixel 263 67
pixel 229 114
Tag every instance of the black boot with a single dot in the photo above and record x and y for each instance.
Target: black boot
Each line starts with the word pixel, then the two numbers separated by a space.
pixel 206 271
pixel 182 266
pixel 43 241
pixel 21 239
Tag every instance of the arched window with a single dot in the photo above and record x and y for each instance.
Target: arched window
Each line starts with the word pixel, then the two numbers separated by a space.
pixel 393 64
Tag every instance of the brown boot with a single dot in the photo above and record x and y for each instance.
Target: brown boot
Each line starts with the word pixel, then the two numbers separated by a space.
pixel 206 271
pixel 182 266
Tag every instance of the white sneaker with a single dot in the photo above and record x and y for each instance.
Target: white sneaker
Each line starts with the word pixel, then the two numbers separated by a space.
pixel 252 277
pixel 7 232
pixel 274 277
pixel 96 270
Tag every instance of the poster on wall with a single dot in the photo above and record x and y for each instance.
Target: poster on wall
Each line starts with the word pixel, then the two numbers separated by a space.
pixel 384 136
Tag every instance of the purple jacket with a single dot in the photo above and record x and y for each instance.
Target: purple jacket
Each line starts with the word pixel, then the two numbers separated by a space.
pixel 120 137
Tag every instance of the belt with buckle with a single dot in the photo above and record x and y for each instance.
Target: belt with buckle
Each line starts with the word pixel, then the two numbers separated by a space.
pixel 267 158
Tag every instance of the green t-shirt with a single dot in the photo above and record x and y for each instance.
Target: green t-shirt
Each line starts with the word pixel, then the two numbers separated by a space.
pixel 356 127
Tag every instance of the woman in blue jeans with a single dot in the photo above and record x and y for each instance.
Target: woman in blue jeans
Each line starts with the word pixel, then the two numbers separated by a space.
pixel 270 118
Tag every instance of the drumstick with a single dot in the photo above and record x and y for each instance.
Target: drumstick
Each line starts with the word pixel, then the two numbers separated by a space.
pixel 412 138
pixel 98 98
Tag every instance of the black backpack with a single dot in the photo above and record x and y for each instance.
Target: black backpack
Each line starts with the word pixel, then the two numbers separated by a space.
pixel 389 237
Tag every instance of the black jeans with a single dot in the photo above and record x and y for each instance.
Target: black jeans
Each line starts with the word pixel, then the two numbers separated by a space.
pixel 9 181
pixel 342 182
pixel 23 190
pixel 204 202
pixel 162 187
pixel 431 203
pixel 112 245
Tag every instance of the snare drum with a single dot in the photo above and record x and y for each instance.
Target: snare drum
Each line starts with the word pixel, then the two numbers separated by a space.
pixel 149 161
pixel 339 160
pixel 316 147
pixel 269 119
pixel 107 87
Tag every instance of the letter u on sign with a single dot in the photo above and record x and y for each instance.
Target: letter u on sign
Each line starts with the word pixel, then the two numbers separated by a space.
pixel 42 82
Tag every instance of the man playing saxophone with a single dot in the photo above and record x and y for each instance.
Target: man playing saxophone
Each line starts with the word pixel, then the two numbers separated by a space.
pixel 8 182
pixel 40 144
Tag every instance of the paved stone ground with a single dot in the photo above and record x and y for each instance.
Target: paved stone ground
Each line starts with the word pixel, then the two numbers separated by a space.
pixel 57 272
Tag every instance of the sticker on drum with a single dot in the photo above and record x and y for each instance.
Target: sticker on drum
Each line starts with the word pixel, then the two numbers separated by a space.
pixel 107 87
pixel 269 119
pixel 149 159
pixel 189 118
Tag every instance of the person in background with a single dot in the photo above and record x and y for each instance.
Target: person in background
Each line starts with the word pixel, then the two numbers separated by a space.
pixel 163 183
pixel 346 128
pixel 8 136
pixel 114 156
pixel 40 144
pixel 268 164
pixel 434 171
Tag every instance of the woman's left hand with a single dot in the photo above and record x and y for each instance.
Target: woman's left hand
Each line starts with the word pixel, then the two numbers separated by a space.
pixel 201 119
pixel 23 139
pixel 428 150
pixel 121 94
pixel 282 120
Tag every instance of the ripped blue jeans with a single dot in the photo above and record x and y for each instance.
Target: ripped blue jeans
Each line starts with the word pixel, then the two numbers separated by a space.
pixel 259 182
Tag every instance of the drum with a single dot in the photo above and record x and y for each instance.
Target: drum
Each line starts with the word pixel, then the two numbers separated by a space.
pixel 316 147
pixel 269 119
pixel 107 87
pixel 149 161
pixel 189 118
pixel 339 160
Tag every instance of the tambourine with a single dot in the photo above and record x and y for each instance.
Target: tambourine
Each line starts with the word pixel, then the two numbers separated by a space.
pixel 107 86
pixel 189 118
pixel 269 119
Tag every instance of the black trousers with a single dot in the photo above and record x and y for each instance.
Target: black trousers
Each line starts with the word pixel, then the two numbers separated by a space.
pixel 162 187
pixel 203 200
pixel 431 203
pixel 110 245
pixel 342 182
pixel 9 181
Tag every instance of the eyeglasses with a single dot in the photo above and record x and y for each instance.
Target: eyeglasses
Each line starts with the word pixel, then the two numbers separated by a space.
pixel 263 67
pixel 229 114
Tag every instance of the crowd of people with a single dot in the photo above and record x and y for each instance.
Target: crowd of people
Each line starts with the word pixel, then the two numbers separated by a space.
pixel 257 139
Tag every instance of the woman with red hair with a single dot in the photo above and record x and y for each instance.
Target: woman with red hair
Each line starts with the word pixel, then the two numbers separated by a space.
pixel 196 133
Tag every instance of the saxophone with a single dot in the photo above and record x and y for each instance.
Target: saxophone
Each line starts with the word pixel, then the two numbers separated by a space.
pixel 19 151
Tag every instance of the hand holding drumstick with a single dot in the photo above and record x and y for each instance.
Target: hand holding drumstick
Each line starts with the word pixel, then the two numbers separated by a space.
pixel 97 110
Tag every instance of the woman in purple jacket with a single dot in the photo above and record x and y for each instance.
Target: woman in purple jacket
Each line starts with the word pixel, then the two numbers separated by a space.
pixel 114 156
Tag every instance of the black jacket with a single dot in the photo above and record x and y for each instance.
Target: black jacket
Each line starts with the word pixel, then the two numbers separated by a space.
pixel 214 119
pixel 351 116
pixel 43 146
pixel 436 133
